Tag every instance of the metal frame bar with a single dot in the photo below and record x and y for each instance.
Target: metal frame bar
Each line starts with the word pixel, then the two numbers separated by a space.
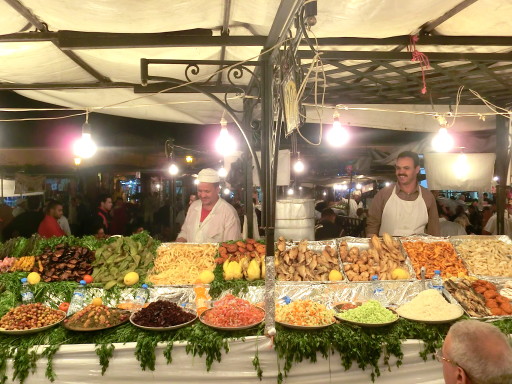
pixel 199 62
pixel 405 56
pixel 161 86
pixel 27 14
pixel 71 40
pixel 432 25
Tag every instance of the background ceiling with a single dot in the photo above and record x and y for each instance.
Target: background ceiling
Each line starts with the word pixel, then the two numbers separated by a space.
pixel 81 71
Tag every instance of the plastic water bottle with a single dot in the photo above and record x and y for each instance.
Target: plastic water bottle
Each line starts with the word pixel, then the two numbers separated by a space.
pixel 27 296
pixel 437 281
pixel 378 291
pixel 141 296
pixel 78 298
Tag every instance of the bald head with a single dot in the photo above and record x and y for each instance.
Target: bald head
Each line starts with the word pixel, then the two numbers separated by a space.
pixel 481 350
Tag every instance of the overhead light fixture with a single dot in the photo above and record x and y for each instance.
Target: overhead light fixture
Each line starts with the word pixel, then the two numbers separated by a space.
pixel 344 187
pixel 387 183
pixel 337 187
pixel 358 186
pixel 222 172
pixel 338 136
pixel 442 141
pixel 495 178
pixel 189 159
pixel 298 166
pixel 300 188
pixel 78 161
pixel 290 191
pixel 225 143
pixel 324 193
pixel 85 147
pixel 227 191
pixel 158 186
pixel 196 181
pixel 173 169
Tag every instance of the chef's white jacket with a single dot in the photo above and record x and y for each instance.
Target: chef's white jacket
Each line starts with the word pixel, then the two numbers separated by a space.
pixel 221 224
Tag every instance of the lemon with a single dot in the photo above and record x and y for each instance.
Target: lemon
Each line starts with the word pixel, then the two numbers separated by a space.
pixel 131 278
pixel 335 275
pixel 399 274
pixel 97 301
pixel 33 278
pixel 206 277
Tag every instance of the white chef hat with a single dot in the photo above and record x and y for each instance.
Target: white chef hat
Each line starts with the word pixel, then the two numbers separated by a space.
pixel 208 175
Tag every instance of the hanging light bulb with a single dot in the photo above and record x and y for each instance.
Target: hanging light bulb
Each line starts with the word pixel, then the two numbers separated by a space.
pixel 442 141
pixel 298 166
pixel 344 187
pixel 387 183
pixel 225 143
pixel 173 169
pixel 359 186
pixel 290 191
pixel 85 147
pixel 196 181
pixel 324 193
pixel 461 167
pixel 227 191
pixel 222 172
pixel 78 161
pixel 338 136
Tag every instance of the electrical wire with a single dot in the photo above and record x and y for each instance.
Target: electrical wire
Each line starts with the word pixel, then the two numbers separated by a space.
pixel 314 65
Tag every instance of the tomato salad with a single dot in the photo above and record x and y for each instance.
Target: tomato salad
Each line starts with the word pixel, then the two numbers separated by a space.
pixel 232 312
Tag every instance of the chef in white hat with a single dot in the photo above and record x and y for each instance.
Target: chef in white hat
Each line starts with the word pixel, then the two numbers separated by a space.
pixel 210 219
pixel 355 204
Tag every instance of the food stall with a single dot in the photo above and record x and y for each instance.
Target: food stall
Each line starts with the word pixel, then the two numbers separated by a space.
pixel 326 328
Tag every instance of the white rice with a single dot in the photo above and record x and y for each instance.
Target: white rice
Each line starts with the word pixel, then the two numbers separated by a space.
pixel 429 305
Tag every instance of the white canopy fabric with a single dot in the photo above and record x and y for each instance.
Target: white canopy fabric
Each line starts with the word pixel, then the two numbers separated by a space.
pixel 42 62
pixel 460 172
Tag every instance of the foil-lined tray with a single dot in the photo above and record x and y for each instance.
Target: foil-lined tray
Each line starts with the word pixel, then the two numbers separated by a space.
pixel 318 247
pixel 428 239
pixel 363 243
pixel 397 292
pixel 458 240
pixel 183 295
pixel 499 285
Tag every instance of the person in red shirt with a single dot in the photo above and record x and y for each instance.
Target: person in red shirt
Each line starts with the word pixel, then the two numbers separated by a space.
pixel 49 227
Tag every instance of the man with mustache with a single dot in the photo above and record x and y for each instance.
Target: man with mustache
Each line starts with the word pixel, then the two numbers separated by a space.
pixel 405 208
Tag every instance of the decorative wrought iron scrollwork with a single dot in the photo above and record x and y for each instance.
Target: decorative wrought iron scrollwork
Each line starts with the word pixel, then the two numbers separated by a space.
pixel 193 70
pixel 237 73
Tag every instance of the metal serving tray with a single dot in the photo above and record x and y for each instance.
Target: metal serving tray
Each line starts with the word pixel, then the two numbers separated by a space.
pixel 499 285
pixel 460 240
pixel 316 246
pixel 427 239
pixel 363 243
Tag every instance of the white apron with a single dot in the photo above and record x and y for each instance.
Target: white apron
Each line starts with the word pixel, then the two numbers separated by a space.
pixel 404 218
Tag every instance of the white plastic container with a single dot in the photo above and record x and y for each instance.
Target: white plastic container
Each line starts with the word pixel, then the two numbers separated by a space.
pixel 295 219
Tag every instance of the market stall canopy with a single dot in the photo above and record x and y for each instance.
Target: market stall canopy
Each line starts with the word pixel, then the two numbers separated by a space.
pixel 88 54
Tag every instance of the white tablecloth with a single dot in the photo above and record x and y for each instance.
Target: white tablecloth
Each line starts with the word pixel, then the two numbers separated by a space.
pixel 78 364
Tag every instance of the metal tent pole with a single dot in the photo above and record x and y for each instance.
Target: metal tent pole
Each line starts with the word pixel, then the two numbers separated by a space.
pixel 502 164
pixel 268 193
